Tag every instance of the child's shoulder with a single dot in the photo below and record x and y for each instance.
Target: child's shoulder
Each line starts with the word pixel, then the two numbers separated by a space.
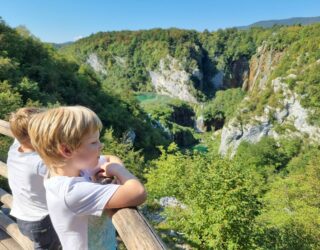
pixel 14 146
pixel 66 184
pixel 59 181
pixel 15 149
pixel 19 159
pixel 60 187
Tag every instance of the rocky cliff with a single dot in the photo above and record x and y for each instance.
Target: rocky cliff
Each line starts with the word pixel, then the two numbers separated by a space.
pixel 289 114
pixel 172 79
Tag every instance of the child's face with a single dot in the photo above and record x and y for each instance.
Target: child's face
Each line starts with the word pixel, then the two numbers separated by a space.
pixel 87 155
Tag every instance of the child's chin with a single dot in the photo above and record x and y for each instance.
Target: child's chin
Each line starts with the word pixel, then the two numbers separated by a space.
pixel 94 164
pixel 90 165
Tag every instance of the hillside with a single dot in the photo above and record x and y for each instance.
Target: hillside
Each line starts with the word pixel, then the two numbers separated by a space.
pixel 193 66
pixel 286 22
pixel 33 73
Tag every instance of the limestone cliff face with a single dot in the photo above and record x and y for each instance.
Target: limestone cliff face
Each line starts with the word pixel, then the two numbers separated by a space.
pixel 248 74
pixel 237 75
pixel 96 63
pixel 260 68
pixel 293 113
pixel 172 79
pixel 289 112
pixel 235 132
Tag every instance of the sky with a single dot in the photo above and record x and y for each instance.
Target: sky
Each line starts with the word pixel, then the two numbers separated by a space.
pixel 65 20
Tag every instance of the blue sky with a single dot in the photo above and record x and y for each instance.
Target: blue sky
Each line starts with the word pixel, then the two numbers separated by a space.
pixel 65 20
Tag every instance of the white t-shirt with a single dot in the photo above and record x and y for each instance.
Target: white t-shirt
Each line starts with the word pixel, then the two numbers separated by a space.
pixel 71 201
pixel 25 175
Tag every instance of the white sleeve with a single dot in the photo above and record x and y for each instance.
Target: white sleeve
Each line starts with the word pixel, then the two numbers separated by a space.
pixel 15 145
pixel 16 142
pixel 88 198
pixel 42 169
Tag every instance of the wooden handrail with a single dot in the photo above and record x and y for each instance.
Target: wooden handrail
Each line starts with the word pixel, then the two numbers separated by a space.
pixel 5 128
pixel 7 242
pixel 135 231
pixel 5 198
pixel 3 169
pixel 11 228
pixel 133 228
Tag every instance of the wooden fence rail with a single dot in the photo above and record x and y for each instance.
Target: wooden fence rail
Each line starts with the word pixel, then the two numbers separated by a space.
pixel 131 225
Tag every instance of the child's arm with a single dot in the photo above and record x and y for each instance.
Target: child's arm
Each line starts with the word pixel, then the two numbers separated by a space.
pixel 89 198
pixel 130 193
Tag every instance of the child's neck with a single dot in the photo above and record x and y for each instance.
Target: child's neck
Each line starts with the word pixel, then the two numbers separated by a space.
pixel 25 148
pixel 65 171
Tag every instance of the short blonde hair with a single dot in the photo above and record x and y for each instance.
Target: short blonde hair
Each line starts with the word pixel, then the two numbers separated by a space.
pixel 19 122
pixel 61 126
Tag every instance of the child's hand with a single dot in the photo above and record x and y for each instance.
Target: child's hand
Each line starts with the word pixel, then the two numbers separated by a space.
pixel 108 180
pixel 105 168
pixel 102 177
pixel 116 181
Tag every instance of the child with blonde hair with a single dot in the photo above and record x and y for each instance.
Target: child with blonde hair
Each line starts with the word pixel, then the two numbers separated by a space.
pixel 26 172
pixel 67 139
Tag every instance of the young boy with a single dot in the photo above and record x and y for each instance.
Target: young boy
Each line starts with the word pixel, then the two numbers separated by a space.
pixel 25 175
pixel 67 139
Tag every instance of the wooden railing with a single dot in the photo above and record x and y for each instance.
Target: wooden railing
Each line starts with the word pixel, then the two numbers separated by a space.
pixel 133 229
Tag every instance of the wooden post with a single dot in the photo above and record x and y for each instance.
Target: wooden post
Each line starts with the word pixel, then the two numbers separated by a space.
pixel 135 231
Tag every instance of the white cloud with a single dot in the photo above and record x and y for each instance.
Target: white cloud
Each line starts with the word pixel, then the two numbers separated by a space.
pixel 77 38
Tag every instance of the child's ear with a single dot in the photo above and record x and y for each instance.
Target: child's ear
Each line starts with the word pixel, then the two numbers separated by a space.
pixel 65 151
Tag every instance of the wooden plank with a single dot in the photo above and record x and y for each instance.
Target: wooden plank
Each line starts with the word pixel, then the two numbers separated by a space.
pixel 3 169
pixel 135 231
pixel 11 228
pixel 3 247
pixel 8 243
pixel 5 198
pixel 5 128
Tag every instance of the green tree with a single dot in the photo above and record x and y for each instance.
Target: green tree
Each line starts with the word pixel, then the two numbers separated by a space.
pixel 290 218
pixel 220 199
pixel 10 100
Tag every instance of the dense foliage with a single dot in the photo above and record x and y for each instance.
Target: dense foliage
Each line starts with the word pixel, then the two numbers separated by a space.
pixel 32 73
pixel 222 108
pixel 266 197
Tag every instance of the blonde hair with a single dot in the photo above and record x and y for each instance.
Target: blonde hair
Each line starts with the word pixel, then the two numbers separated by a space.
pixel 19 122
pixel 61 126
